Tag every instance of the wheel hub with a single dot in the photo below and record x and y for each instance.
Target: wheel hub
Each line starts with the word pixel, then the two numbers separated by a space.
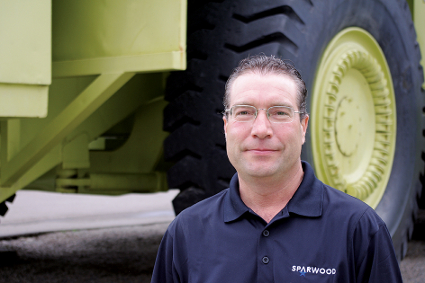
pixel 354 117
pixel 347 120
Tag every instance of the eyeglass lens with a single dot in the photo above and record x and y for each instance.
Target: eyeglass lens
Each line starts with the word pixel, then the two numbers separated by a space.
pixel 276 114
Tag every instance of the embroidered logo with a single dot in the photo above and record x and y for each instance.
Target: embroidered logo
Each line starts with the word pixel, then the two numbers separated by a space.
pixel 303 270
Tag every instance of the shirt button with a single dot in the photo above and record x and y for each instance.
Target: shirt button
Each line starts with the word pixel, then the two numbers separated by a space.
pixel 266 233
pixel 266 260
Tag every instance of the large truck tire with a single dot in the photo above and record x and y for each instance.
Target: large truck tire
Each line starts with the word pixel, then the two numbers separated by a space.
pixel 360 61
pixel 366 103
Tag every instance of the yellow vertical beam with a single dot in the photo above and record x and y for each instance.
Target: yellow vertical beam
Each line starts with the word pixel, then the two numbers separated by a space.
pixel 10 139
pixel 75 153
pixel 419 20
pixel 77 111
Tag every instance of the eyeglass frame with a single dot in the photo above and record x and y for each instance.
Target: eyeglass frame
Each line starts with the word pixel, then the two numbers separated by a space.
pixel 226 111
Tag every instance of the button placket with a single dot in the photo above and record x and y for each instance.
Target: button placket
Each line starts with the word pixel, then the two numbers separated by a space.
pixel 265 253
pixel 265 259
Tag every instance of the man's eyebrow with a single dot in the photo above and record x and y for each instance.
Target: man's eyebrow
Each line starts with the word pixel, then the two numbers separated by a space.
pixel 274 104
pixel 241 103
pixel 284 104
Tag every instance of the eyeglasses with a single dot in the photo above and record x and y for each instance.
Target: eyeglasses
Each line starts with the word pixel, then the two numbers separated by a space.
pixel 275 114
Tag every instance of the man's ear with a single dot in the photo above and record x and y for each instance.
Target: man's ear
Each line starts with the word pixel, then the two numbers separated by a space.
pixel 225 125
pixel 304 125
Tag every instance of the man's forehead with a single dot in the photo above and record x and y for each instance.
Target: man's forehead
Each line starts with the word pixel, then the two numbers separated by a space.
pixel 246 83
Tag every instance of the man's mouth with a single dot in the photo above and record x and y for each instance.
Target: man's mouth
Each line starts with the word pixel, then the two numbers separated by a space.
pixel 261 150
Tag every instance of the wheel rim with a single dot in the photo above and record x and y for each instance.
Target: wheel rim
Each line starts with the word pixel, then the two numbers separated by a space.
pixel 354 116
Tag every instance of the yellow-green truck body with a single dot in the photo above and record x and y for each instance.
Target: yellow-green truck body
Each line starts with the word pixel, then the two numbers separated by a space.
pixel 70 71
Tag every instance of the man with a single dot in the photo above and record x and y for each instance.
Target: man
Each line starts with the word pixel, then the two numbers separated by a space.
pixel 276 222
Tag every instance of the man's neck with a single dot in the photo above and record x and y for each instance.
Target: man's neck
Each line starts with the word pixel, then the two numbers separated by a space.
pixel 268 196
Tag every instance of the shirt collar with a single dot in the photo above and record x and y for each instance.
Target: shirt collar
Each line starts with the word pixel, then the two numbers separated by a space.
pixel 234 207
pixel 307 200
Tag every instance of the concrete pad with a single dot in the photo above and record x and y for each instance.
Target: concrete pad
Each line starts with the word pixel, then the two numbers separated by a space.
pixel 34 212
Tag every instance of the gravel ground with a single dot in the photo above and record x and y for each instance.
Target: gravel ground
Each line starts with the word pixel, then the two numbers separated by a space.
pixel 123 254
pixel 413 265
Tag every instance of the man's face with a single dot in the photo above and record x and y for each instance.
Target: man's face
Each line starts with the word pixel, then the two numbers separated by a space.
pixel 262 148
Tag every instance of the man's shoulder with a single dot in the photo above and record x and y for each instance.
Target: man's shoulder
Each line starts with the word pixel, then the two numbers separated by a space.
pixel 209 208
pixel 206 205
pixel 340 204
pixel 335 195
pixel 331 201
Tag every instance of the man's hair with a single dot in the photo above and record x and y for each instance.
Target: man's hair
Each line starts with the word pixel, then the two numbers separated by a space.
pixel 263 65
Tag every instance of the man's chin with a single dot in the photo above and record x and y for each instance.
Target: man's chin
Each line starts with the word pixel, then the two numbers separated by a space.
pixel 261 172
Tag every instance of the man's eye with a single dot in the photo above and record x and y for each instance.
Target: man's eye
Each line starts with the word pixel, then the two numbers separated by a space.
pixel 282 113
pixel 242 113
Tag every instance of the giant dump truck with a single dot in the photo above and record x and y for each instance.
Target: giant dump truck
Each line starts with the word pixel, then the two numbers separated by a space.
pixel 112 97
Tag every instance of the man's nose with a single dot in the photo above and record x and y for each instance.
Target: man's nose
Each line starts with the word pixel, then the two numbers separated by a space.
pixel 261 127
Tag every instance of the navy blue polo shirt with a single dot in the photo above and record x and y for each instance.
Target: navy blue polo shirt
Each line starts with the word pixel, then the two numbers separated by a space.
pixel 322 235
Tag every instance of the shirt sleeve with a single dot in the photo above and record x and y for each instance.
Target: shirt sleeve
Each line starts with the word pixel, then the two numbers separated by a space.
pixel 375 257
pixel 164 270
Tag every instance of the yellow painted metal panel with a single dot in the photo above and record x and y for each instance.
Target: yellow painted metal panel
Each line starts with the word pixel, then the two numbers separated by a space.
pixel 107 28
pixel 23 100
pixel 25 34
pixel 174 60
pixel 25 57
pixel 419 20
